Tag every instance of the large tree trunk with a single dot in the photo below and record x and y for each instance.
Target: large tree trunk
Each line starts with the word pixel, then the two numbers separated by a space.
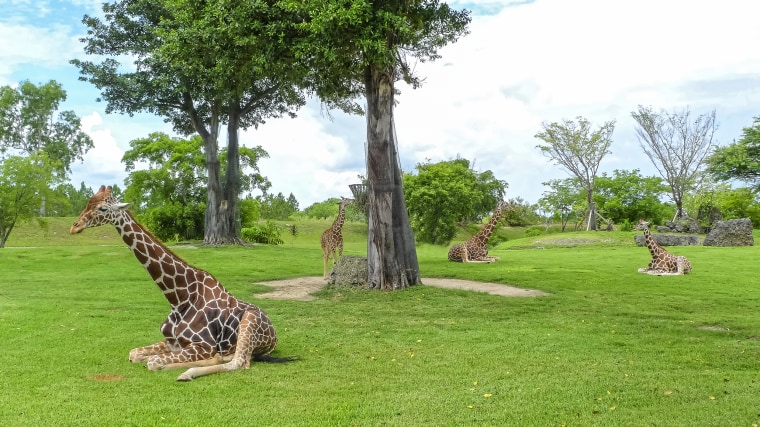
pixel 591 211
pixel 231 190
pixel 391 255
pixel 216 225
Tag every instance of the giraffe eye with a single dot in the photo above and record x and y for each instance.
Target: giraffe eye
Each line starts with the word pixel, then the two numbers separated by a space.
pixel 102 209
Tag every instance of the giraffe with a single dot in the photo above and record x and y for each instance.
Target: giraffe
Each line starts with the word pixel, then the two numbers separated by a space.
pixel 208 330
pixel 663 263
pixel 332 238
pixel 475 249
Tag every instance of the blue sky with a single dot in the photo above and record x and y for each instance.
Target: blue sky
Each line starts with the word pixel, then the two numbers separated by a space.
pixel 524 62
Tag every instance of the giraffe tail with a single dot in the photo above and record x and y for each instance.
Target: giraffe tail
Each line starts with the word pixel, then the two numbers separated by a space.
pixel 270 359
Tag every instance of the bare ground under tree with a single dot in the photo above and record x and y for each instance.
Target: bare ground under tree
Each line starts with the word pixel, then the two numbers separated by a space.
pixel 302 288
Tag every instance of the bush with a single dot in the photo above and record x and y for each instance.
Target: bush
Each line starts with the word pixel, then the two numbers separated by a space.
pixel 534 231
pixel 267 233
pixel 176 221
pixel 250 212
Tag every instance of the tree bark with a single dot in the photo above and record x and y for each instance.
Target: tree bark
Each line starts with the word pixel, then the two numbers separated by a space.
pixel 231 189
pixel 391 255
pixel 216 228
pixel 592 212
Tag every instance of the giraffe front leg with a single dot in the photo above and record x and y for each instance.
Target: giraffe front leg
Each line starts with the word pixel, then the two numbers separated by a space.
pixel 141 354
pixel 192 353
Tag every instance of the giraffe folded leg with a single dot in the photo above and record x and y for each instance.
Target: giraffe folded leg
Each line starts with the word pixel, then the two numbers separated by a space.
pixel 253 334
pixel 195 352
pixel 217 359
pixel 141 354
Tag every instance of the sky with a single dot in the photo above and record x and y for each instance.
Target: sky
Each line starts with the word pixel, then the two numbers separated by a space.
pixel 523 63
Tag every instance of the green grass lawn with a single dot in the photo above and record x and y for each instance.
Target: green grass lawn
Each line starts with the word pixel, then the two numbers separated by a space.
pixel 608 347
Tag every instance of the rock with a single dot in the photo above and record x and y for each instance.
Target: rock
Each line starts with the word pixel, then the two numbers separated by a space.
pixel 686 225
pixel 669 240
pixel 732 232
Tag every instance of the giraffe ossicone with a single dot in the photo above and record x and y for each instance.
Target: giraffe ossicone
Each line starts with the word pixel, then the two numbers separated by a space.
pixel 332 238
pixel 475 249
pixel 663 263
pixel 208 330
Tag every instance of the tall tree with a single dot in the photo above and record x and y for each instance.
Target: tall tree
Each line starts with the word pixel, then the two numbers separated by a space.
pixel 676 146
pixel 198 65
pixel 361 48
pixel 561 197
pixel 626 195
pixel 24 182
pixel 28 124
pixel 442 193
pixel 170 190
pixel 579 150
pixel 739 160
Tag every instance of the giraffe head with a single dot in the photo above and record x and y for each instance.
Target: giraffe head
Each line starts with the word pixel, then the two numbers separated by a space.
pixel 100 210
pixel 642 225
pixel 344 202
pixel 502 208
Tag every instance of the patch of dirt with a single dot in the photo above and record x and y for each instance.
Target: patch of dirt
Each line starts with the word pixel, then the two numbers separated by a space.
pixel 302 288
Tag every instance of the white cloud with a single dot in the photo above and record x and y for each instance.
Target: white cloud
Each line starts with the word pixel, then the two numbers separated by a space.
pixel 306 160
pixel 102 164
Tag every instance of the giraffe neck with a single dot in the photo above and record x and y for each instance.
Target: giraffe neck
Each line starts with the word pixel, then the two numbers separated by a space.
pixel 165 268
pixel 338 223
pixel 485 233
pixel 652 245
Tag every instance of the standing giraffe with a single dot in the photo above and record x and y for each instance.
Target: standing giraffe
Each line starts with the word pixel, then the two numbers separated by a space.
pixel 332 238
pixel 663 263
pixel 475 249
pixel 208 330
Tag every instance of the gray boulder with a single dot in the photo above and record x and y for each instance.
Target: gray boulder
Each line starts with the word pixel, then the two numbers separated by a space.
pixel 669 240
pixel 732 232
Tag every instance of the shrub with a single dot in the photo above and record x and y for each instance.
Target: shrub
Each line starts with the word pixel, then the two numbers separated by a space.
pixel 267 233
pixel 534 231
pixel 176 220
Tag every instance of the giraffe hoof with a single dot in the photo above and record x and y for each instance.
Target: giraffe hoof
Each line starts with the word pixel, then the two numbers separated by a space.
pixel 155 365
pixel 184 378
pixel 135 357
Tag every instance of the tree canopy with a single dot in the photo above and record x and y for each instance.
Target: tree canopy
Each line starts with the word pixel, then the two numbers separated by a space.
pixel 629 196
pixel 578 149
pixel 24 182
pixel 28 124
pixel 442 194
pixel 198 65
pixel 676 146
pixel 739 160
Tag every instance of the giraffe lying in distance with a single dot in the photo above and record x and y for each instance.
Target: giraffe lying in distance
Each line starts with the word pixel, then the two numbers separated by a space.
pixel 663 263
pixel 208 330
pixel 476 249
pixel 332 238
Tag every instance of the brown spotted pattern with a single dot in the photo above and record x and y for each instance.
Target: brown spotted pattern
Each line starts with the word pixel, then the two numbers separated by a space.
pixel 206 324
pixel 476 249
pixel 332 238
pixel 663 263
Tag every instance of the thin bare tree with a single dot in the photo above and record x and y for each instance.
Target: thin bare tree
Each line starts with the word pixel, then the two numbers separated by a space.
pixel 677 147
pixel 579 150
